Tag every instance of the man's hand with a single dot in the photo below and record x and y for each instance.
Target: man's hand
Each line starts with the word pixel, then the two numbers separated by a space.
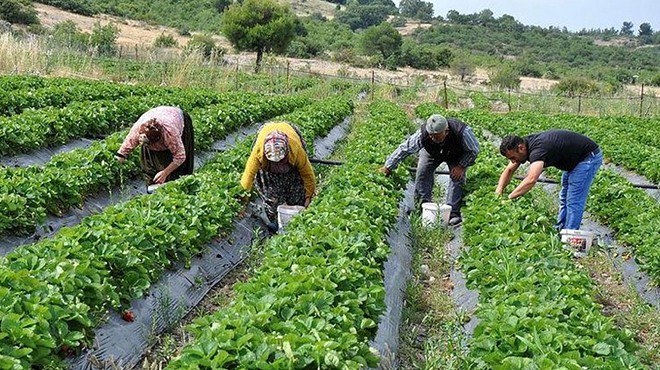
pixel 384 170
pixel 245 199
pixel 120 158
pixel 161 177
pixel 456 173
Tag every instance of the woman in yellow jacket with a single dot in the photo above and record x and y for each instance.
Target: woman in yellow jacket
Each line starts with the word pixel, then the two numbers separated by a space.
pixel 281 167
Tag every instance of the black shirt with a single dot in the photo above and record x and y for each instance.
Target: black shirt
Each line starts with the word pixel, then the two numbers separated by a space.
pixel 559 148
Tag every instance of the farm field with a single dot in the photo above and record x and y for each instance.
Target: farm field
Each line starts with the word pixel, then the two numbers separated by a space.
pixel 315 295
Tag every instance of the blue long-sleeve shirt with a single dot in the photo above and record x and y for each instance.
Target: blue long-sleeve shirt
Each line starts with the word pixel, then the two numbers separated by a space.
pixel 413 144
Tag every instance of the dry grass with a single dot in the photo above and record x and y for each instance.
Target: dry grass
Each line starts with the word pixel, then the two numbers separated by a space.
pixel 307 7
pixel 621 302
pixel 431 328
pixel 21 56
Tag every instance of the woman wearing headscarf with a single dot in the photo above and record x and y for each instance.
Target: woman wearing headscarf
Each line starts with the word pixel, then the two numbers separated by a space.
pixel 167 139
pixel 280 165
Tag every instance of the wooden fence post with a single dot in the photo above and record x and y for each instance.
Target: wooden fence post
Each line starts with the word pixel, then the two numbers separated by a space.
pixel 641 102
pixel 236 75
pixel 444 84
pixel 373 80
pixel 288 64
pixel 136 53
pixel 579 104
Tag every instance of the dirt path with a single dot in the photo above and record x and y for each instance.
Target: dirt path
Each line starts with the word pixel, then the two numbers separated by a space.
pixel 130 32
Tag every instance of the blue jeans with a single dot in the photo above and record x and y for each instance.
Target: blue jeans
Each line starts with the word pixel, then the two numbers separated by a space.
pixel 574 191
pixel 424 180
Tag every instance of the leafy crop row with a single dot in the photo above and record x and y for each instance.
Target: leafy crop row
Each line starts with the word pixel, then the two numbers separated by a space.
pixel 536 307
pixel 28 193
pixel 315 300
pixel 20 82
pixel 56 291
pixel 613 200
pixel 55 126
pixel 630 142
pixel 15 102
pixel 631 212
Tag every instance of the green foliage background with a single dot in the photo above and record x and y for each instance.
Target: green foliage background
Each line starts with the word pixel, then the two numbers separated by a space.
pixel 480 39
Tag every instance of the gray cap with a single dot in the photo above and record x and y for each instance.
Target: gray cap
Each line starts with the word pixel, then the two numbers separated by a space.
pixel 436 124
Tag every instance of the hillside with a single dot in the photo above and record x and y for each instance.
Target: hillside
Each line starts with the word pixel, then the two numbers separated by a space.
pixel 140 33
pixel 540 56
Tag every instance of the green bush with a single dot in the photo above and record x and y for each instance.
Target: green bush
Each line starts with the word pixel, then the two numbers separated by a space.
pixel 574 86
pixel 83 7
pixel 505 78
pixel 428 57
pixel 165 41
pixel 206 45
pixel 68 35
pixel 18 11
pixel 344 55
pixel 103 39
pixel 655 81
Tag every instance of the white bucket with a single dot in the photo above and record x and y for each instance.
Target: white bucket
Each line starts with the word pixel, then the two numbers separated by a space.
pixel 285 213
pixel 431 211
pixel 580 241
pixel 151 188
pixel 445 212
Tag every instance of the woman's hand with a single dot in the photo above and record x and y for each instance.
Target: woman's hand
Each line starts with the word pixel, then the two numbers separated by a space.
pixel 120 157
pixel 307 201
pixel 161 177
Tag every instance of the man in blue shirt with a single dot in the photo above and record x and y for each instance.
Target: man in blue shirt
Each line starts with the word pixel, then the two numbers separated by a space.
pixel 439 140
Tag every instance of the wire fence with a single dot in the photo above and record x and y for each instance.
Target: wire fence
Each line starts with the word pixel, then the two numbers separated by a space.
pixel 438 87
pixel 645 103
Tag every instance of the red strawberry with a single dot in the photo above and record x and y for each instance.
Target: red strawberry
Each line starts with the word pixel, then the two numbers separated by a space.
pixel 128 315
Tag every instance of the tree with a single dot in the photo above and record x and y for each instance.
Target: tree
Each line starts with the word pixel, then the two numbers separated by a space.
pixel 68 35
pixel 505 78
pixel 103 38
pixel 463 67
pixel 574 86
pixel 18 11
pixel 645 34
pixel 222 5
pixel 362 16
pixel 204 44
pixel 260 26
pixel 424 56
pixel 626 29
pixel 417 9
pixel 645 29
pixel 383 39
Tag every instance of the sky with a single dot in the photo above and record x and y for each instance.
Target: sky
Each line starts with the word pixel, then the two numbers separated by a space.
pixel 572 14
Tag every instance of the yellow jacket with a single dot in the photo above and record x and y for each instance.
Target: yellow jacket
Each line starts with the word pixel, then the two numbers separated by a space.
pixel 297 157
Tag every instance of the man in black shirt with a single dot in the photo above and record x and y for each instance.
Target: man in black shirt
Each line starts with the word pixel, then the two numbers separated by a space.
pixel 576 155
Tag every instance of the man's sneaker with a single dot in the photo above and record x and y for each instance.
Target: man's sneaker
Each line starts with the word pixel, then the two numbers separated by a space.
pixel 272 226
pixel 454 221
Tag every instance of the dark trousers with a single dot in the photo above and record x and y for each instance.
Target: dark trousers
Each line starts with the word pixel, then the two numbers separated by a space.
pixel 425 179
